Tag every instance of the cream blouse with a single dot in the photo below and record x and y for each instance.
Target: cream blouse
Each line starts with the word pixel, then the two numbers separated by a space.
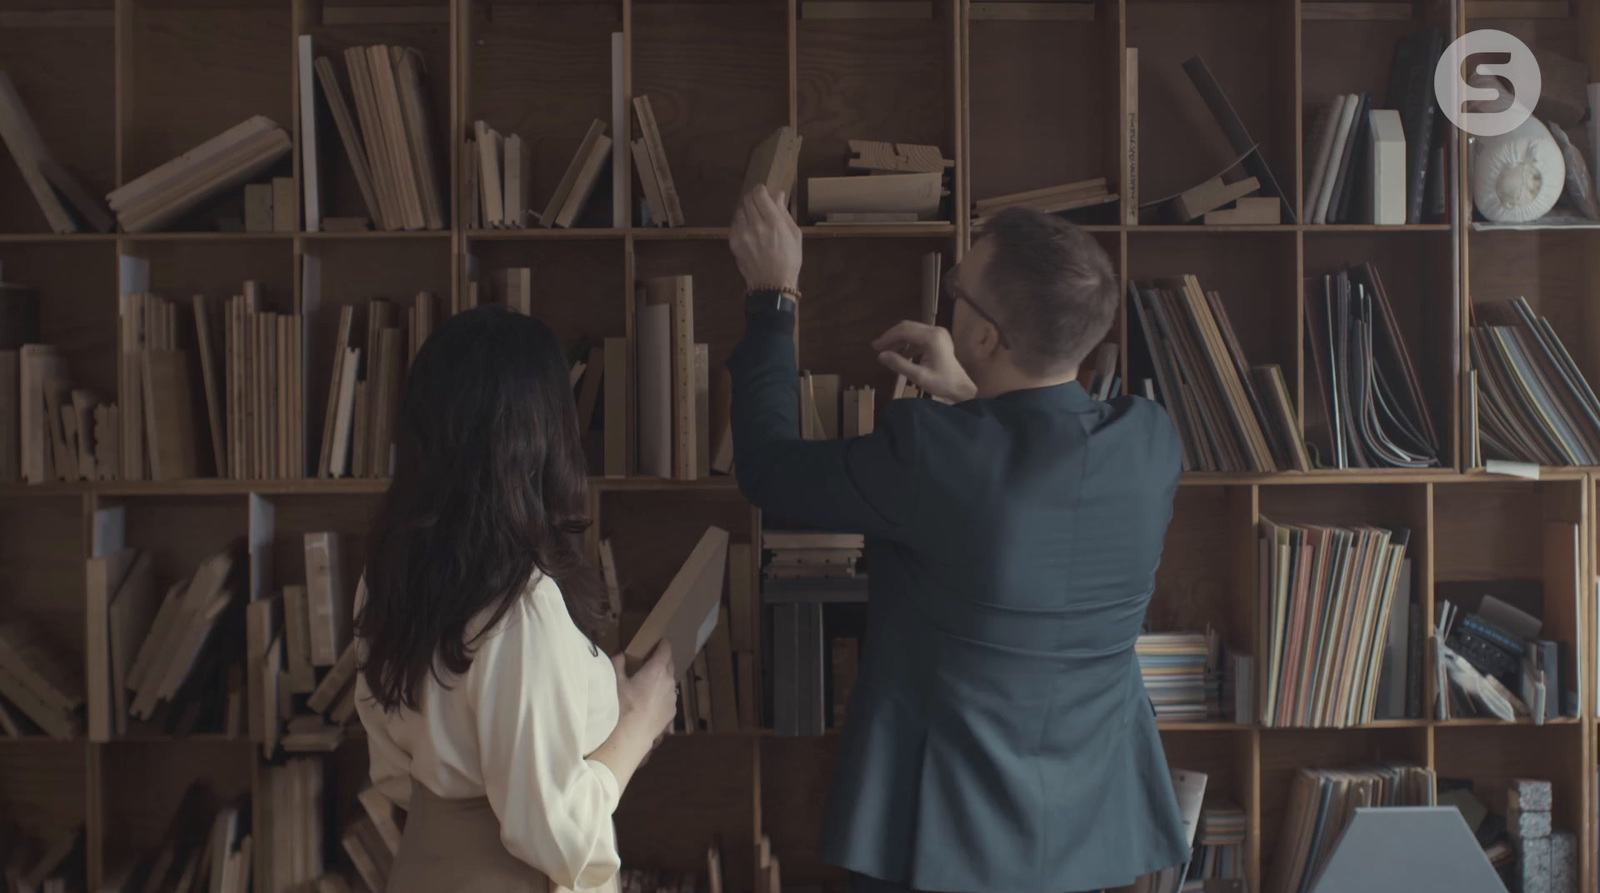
pixel 517 727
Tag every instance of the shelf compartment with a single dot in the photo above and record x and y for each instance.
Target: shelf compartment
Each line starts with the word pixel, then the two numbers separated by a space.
pixel 43 787
pixel 1249 46
pixel 1034 89
pixel 1417 270
pixel 146 784
pixel 77 313
pixel 341 196
pixel 718 84
pixel 543 71
pixel 64 71
pixel 891 80
pixel 228 62
pixel 855 291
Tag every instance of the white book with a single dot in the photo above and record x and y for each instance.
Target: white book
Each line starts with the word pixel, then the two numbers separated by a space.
pixel 1322 145
pixel 310 173
pixel 1341 139
pixel 1387 168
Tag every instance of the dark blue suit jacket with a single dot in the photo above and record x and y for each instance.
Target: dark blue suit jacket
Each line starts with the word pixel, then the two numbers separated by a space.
pixel 999 737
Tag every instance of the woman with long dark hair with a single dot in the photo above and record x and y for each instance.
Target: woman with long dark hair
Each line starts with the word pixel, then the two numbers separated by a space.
pixel 490 712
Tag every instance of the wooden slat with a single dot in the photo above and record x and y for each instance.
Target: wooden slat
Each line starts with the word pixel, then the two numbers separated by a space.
pixel 385 15
pixel 988 10
pixel 58 18
pixel 1517 9
pixel 1394 10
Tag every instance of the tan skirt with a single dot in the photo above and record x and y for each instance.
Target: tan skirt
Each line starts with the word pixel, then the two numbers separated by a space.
pixel 453 846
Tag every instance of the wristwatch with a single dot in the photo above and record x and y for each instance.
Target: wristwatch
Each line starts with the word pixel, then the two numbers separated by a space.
pixel 762 299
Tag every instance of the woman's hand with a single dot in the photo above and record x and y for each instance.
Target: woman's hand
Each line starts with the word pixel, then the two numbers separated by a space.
pixel 647 701
pixel 766 241
pixel 649 697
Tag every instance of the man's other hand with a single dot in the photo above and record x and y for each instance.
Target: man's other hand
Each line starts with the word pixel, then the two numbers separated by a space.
pixel 926 356
pixel 766 241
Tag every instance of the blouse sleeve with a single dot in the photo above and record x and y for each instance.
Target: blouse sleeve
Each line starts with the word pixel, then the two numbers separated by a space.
pixel 529 698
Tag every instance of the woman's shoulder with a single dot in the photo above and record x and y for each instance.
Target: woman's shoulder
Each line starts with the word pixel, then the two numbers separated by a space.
pixel 538 612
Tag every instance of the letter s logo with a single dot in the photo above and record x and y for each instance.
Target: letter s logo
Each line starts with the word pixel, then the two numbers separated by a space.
pixel 1453 93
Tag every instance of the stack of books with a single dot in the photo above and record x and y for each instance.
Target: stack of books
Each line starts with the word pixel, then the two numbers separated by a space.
pixel 903 184
pixel 499 180
pixel 289 823
pixel 389 140
pixel 661 201
pixel 1230 415
pixel 1373 413
pixel 301 657
pixel 373 840
pixel 42 687
pixel 1176 668
pixel 1218 846
pixel 49 430
pixel 160 437
pixel 1533 403
pixel 364 389
pixel 1493 659
pixel 794 555
pixel 226 161
pixel 1048 199
pixel 1321 804
pixel 674 385
pixel 1327 632
pixel 55 865
pixel 67 206
pixel 182 660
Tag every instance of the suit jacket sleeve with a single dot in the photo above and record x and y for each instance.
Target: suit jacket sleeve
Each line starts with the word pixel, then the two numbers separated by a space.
pixel 861 485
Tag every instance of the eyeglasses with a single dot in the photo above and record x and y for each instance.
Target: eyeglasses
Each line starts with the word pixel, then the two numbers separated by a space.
pixel 954 292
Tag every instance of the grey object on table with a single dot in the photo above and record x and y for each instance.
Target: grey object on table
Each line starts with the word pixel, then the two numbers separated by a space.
pixel 1402 849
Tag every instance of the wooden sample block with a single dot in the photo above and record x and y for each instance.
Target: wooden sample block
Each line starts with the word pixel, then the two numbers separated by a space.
pixel 773 162
pixel 258 208
pixel 688 602
pixel 1211 195
pixel 658 160
pixel 1252 210
pixel 579 170
pixel 920 194
pixel 169 415
pixel 896 158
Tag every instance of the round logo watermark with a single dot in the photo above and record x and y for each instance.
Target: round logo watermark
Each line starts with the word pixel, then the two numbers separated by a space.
pixel 1454 93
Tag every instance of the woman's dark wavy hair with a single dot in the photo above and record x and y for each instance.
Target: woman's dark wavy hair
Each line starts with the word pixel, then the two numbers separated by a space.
pixel 490 485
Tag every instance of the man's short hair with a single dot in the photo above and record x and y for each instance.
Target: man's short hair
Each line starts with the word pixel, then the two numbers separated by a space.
pixel 1053 288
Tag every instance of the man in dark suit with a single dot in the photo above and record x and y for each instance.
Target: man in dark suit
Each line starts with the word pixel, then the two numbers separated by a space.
pixel 999 739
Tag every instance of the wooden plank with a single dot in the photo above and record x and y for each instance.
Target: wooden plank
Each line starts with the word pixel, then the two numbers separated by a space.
pixel 1392 11
pixel 1517 9
pixel 58 18
pixel 1031 12
pixel 823 10
pixel 385 15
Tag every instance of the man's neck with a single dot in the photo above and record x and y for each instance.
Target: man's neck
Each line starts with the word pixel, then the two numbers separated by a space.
pixel 1005 380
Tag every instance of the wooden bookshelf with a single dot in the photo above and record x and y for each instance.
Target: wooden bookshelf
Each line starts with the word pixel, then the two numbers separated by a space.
pixel 119 86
